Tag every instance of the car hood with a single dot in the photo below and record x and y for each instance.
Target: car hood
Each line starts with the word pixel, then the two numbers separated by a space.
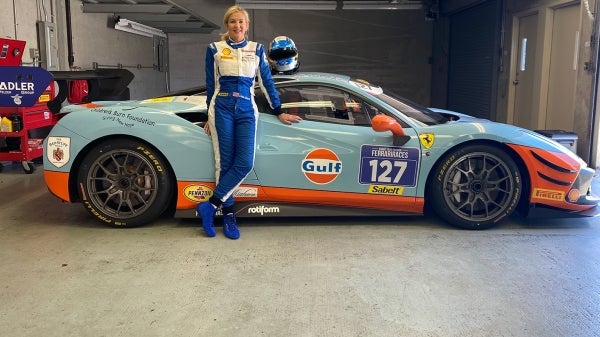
pixel 469 126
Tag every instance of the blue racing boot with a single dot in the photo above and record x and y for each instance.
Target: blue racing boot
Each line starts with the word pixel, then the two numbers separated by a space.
pixel 230 227
pixel 207 211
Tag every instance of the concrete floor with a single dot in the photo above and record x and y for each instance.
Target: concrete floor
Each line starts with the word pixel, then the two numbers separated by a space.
pixel 63 274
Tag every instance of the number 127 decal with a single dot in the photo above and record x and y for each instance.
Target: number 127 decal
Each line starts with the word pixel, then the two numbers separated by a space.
pixel 388 165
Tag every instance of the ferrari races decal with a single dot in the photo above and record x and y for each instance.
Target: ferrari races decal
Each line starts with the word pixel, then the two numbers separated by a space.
pixel 427 140
pixel 197 193
pixel 388 165
pixel 57 150
pixel 321 166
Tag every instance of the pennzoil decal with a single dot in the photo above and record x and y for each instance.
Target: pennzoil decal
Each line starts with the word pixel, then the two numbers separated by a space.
pixel 387 190
pixel 427 140
pixel 58 150
pixel 541 193
pixel 197 193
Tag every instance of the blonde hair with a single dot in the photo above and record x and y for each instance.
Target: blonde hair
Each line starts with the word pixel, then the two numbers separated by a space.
pixel 228 13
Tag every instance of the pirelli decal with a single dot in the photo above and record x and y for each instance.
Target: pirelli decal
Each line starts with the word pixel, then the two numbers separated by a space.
pixel 553 195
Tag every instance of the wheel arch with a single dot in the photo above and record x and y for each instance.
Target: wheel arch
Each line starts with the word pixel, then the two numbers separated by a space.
pixel 73 192
pixel 523 205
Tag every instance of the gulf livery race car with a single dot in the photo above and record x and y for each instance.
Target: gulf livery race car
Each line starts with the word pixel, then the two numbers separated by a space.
pixel 359 151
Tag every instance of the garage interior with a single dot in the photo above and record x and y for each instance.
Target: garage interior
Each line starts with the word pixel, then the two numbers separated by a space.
pixel 63 274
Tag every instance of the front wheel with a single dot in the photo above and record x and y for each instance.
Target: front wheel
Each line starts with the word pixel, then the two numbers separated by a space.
pixel 124 183
pixel 475 187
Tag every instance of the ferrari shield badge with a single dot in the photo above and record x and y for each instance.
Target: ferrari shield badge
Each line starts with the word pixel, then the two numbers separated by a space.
pixel 427 140
pixel 57 150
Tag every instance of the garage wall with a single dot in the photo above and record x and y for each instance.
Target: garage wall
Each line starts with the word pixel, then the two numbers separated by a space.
pixel 389 48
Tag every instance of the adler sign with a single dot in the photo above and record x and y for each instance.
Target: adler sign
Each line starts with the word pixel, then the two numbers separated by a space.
pixel 22 86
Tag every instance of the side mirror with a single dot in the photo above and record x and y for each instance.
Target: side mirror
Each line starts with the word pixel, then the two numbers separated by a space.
pixel 382 123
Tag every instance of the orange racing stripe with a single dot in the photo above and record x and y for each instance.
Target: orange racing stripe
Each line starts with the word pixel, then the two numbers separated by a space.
pixel 314 197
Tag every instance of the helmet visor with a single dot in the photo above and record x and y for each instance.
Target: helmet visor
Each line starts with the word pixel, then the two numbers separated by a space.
pixel 278 54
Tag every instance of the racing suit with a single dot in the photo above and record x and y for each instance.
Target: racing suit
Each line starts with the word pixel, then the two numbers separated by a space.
pixel 231 69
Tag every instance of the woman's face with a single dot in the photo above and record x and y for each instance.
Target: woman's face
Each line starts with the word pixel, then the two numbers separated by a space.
pixel 237 26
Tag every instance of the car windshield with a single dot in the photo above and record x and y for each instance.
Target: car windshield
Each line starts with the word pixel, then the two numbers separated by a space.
pixel 412 110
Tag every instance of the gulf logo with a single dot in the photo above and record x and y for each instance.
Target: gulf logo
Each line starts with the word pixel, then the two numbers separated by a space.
pixel 321 166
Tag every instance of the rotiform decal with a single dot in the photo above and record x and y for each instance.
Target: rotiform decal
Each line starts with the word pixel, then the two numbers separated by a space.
pixel 262 209
pixel 321 166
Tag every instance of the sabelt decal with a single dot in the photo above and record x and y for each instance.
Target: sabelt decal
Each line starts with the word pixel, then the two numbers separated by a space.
pixel 197 193
pixel 321 166
pixel 388 190
pixel 58 150
pixel 553 195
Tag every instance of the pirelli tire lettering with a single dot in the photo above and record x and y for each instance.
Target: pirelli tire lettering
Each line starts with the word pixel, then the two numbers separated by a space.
pixel 474 186
pixel 124 182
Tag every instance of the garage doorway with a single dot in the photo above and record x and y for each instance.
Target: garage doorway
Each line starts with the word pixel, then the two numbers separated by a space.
pixel 525 115
pixel 544 66
pixel 563 69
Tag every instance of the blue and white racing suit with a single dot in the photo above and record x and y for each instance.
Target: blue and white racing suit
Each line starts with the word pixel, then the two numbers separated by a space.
pixel 231 69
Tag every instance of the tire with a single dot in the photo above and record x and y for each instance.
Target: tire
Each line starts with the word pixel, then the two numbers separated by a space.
pixel 124 183
pixel 475 187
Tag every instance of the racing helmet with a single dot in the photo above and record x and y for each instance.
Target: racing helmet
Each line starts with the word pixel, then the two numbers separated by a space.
pixel 283 55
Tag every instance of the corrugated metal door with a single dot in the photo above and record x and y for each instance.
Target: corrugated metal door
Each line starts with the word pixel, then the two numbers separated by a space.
pixel 473 59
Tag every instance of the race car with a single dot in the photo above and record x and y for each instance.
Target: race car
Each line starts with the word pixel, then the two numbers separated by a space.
pixel 359 151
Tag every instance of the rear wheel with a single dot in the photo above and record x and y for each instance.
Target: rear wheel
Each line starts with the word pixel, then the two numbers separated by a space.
pixel 124 183
pixel 475 187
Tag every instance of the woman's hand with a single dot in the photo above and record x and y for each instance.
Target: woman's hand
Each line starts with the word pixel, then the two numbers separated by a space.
pixel 207 129
pixel 289 119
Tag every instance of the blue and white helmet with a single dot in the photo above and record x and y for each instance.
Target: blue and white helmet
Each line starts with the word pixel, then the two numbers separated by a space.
pixel 283 55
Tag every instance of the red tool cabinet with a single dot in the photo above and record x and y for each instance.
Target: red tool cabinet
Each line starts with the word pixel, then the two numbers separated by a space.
pixel 24 96
pixel 23 145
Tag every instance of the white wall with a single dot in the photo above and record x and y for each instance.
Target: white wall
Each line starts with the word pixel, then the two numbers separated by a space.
pixel 93 41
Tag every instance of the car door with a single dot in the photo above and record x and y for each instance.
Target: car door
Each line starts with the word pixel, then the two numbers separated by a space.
pixel 333 149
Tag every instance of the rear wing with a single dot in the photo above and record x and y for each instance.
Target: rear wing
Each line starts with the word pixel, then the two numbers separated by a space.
pixel 103 84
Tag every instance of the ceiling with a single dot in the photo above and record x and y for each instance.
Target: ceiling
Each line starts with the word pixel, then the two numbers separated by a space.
pixel 165 15
pixel 171 17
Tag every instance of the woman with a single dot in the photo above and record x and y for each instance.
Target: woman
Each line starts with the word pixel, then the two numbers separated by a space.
pixel 232 65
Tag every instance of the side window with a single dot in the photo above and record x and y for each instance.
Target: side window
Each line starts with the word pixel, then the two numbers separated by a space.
pixel 324 104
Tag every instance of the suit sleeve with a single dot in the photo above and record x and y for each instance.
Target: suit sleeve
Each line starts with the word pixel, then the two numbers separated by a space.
pixel 210 72
pixel 265 80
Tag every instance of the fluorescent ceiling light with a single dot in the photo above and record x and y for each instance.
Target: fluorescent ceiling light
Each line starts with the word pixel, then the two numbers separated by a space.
pixel 292 4
pixel 138 28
